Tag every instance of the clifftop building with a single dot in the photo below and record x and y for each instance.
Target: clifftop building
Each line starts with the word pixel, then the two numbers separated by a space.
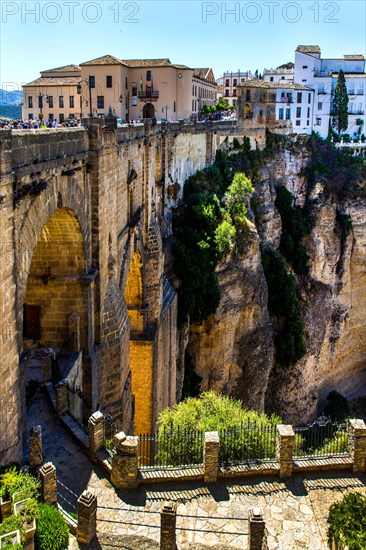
pixel 130 88
pixel 228 82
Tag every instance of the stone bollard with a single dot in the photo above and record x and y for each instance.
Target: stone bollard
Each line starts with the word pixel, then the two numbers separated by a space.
pixel 48 480
pixel 211 457
pixel 125 461
pixel 96 432
pixel 357 444
pixel 62 404
pixel 285 448
pixel 87 517
pixel 256 528
pixel 168 519
pixel 35 448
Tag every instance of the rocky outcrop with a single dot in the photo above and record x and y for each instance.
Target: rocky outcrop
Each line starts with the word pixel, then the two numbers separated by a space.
pixel 233 351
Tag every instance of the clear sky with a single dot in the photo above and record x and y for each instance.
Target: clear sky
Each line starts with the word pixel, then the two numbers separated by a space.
pixel 38 35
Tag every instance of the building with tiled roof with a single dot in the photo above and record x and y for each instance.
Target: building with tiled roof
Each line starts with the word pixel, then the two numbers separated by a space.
pixel 228 82
pixel 131 88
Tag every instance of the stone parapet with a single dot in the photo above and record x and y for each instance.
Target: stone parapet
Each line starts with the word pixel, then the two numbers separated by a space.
pixel 125 461
pixel 48 480
pixel 168 519
pixel 62 404
pixel 285 448
pixel 357 444
pixel 87 517
pixel 96 432
pixel 211 456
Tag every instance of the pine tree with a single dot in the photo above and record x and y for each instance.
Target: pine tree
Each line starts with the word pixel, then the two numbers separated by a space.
pixel 340 105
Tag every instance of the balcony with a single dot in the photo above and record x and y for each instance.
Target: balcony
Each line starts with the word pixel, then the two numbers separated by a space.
pixel 321 91
pixel 152 95
pixel 358 112
pixel 360 92
pixel 286 100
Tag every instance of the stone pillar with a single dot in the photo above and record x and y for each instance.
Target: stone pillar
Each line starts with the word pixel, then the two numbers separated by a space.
pixel 96 432
pixel 168 519
pixel 35 448
pixel 62 405
pixel 48 480
pixel 74 331
pixel 285 448
pixel 125 461
pixel 357 444
pixel 47 358
pixel 256 529
pixel 87 517
pixel 211 456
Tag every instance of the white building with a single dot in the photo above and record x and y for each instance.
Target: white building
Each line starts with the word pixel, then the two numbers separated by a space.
pixel 321 75
pixel 282 73
pixel 228 82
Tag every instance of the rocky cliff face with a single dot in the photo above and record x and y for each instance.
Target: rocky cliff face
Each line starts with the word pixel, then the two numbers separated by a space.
pixel 233 351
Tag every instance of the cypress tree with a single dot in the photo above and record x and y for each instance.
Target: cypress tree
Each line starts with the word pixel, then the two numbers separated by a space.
pixel 340 105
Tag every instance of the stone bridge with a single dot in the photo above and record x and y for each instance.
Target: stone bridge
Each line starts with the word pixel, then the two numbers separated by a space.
pixel 84 213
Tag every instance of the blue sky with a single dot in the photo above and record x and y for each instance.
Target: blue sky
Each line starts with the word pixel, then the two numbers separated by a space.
pixel 38 35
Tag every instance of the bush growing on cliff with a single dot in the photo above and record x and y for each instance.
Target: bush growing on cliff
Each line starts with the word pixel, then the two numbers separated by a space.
pixel 296 224
pixel 211 412
pixel 285 305
pixel 347 522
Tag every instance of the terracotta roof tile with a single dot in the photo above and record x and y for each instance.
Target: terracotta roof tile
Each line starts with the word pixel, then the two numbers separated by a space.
pixel 65 69
pixel 259 83
pixel 55 81
pixel 104 60
pixel 356 56
pixel 308 49
pixel 147 62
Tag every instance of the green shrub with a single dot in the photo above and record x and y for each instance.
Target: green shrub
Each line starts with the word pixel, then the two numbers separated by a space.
pixel 337 407
pixel 347 522
pixel 284 304
pixel 211 412
pixel 52 531
pixel 14 480
pixel 10 524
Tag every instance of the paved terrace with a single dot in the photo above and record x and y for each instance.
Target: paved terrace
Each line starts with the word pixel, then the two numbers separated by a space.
pixel 208 515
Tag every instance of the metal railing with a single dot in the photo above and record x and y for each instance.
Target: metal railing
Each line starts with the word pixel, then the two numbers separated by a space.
pixel 171 447
pixel 153 94
pixel 321 438
pixel 250 442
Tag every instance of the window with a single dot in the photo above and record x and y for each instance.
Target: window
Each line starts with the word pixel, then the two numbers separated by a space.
pixel 192 90
pixel 304 80
pixel 288 114
pixel 126 83
pixel 260 112
pixel 61 101
pixel 227 82
pixel 174 107
pixel 309 98
pixel 134 90
pixel 308 114
pixel 227 93
pixel 72 102
pixel 30 101
pixel 62 117
pixel 192 104
pixel 298 123
pixel 50 117
pixel 304 66
pixel 148 76
pixel 40 102
pixel 247 95
pixel 307 122
pixel 271 78
pixel 298 112
pixel 321 90
pixel 234 93
pixel 30 116
pixel 91 81
pixel 282 78
pixel 100 102
pixel 318 121
pixel 109 81
pixel 235 81
pixel 320 106
pixel 299 97
pixel 280 114
pixel 50 101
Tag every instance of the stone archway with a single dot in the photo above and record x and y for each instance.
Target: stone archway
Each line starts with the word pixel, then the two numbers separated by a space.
pixel 148 111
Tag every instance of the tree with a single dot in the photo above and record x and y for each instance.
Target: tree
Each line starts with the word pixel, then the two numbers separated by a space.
pixel 340 105
pixel 347 523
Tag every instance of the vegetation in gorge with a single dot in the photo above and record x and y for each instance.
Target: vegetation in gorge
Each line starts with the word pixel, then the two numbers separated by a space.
pixel 347 522
pixel 284 305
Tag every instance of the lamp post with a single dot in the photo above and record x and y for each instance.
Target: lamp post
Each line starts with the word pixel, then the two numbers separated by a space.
pixel 91 84
pixel 166 108
pixel 81 105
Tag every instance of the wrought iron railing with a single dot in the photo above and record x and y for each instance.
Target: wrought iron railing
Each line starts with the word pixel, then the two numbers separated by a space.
pixel 249 442
pixel 153 94
pixel 171 447
pixel 321 438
